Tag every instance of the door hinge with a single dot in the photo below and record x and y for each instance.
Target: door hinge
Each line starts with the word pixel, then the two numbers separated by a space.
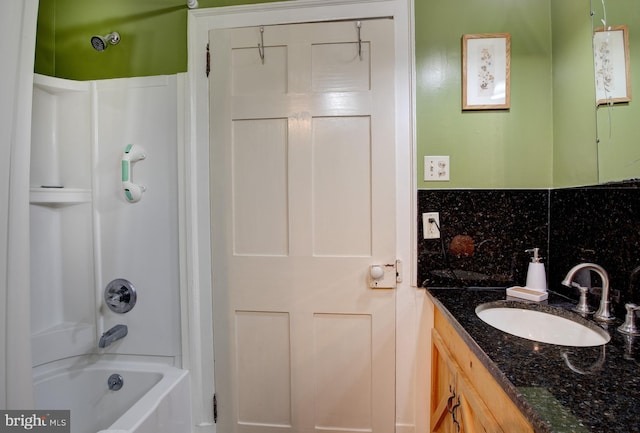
pixel 208 61
pixel 215 409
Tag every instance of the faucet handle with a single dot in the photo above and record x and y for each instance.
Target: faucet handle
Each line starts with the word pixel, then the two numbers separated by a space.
pixel 629 326
pixel 120 296
pixel 583 306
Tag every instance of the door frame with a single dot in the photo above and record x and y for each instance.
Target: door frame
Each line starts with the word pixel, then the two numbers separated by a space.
pixel 196 287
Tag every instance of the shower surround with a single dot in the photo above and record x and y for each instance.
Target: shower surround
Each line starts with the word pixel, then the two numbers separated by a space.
pixel 85 233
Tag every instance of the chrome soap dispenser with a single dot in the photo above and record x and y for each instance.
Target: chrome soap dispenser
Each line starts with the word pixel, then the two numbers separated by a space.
pixel 536 276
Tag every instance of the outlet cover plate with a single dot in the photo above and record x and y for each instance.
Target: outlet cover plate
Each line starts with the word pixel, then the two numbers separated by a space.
pixel 431 230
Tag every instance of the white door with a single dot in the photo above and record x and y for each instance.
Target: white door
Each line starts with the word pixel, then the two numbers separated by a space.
pixel 303 202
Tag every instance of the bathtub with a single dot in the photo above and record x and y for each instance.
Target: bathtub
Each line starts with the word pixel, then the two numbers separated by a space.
pixel 154 397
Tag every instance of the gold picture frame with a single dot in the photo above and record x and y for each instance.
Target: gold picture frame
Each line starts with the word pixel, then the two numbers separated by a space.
pixel 486 71
pixel 611 64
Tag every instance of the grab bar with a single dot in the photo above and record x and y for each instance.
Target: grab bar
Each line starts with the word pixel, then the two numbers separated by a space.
pixel 132 191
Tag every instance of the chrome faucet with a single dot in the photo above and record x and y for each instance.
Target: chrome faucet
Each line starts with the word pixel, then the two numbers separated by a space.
pixel 112 335
pixel 603 314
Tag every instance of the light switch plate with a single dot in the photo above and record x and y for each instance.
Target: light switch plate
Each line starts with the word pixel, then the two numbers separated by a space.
pixel 436 168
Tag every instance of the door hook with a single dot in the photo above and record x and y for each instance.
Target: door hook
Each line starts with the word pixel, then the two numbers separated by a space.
pixel 359 26
pixel 261 44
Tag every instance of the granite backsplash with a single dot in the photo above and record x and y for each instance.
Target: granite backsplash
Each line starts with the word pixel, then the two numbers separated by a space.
pixel 484 235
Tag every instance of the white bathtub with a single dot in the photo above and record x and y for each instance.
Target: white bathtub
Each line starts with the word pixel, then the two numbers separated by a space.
pixel 154 397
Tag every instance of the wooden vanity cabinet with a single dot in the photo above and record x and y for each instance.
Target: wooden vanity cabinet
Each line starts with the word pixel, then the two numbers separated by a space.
pixel 456 406
pixel 443 386
pixel 464 396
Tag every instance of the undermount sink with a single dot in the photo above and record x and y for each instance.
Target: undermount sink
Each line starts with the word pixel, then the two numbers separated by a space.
pixel 542 323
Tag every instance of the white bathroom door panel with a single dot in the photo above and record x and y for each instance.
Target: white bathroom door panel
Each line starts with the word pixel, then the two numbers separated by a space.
pixel 303 202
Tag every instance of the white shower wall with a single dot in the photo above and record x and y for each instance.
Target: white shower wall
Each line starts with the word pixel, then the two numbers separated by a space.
pixel 139 241
pixel 87 234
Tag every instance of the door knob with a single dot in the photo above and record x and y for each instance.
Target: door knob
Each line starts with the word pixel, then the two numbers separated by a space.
pixel 376 272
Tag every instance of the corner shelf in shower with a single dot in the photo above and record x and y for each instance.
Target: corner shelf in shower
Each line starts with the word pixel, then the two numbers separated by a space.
pixel 59 195
pixel 61 220
pixel 56 85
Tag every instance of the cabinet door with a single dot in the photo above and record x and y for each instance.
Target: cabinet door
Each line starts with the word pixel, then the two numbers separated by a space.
pixel 456 406
pixel 443 387
pixel 472 413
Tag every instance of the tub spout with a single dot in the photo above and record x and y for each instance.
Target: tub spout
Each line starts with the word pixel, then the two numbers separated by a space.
pixel 112 335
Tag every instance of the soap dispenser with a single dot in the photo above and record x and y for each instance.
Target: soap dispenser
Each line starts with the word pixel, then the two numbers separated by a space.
pixel 536 276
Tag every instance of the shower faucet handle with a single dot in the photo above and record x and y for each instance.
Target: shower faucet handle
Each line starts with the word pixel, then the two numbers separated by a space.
pixel 120 296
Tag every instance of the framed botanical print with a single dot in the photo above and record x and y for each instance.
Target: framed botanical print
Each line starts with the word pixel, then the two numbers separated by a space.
pixel 611 62
pixel 486 71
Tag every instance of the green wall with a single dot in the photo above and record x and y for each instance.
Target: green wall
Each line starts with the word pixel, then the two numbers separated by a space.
pixel 575 153
pixel 487 149
pixel 154 37
pixel 546 138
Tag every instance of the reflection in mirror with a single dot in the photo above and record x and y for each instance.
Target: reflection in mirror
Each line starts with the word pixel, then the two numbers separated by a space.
pixel 618 118
pixel 611 61
pixel 575 153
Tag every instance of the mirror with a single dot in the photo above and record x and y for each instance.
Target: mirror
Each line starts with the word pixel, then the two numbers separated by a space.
pixel 617 124
pixel 553 136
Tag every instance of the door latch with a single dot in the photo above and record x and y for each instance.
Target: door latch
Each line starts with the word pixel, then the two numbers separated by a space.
pixel 385 276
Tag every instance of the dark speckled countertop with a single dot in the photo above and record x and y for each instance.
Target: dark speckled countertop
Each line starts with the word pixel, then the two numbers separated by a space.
pixel 558 388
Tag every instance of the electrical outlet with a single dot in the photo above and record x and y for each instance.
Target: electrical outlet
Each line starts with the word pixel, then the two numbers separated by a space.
pixel 431 225
pixel 436 168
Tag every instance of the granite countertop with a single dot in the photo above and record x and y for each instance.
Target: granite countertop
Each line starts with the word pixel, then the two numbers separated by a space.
pixel 558 388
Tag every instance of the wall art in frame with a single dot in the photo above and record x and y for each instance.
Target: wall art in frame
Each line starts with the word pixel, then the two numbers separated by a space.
pixel 611 62
pixel 486 71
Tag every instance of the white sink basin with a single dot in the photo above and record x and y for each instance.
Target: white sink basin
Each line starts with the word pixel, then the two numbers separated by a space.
pixel 542 323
